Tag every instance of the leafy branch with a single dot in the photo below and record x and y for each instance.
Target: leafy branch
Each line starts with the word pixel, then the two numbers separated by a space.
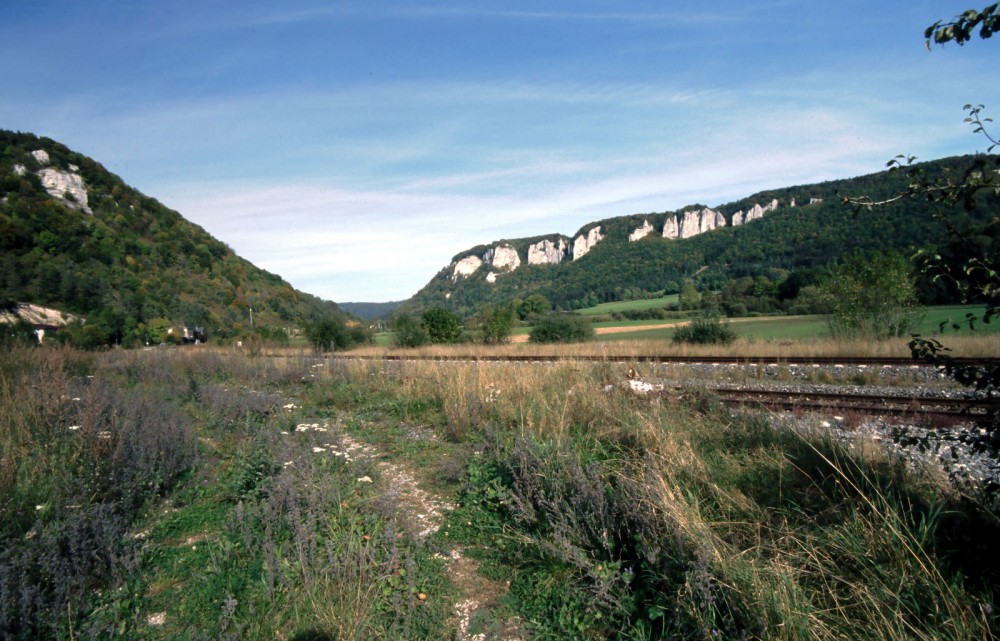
pixel 960 29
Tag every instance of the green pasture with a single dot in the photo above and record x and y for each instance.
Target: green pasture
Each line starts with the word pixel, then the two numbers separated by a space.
pixel 805 327
pixel 621 306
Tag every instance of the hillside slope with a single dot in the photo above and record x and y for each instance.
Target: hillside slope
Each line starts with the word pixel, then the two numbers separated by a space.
pixel 628 257
pixel 75 237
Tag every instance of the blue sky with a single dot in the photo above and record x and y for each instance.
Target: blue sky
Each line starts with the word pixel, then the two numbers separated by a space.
pixel 355 147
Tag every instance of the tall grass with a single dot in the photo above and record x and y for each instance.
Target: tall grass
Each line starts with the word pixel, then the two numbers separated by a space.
pixel 78 459
pixel 674 519
pixel 610 515
pixel 973 345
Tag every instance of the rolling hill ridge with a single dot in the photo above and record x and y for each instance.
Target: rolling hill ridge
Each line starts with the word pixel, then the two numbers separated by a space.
pixel 76 238
pixel 625 257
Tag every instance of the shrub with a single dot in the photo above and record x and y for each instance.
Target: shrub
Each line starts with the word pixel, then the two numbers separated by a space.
pixel 442 325
pixel 495 323
pixel 409 332
pixel 704 331
pixel 561 328
pixel 873 297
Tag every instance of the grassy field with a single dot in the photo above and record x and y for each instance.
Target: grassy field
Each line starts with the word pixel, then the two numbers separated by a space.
pixel 210 494
pixel 799 328
pixel 647 303
pixel 784 335
pixel 578 513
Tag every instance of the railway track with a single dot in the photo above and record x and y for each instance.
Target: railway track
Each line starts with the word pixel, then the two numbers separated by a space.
pixel 924 409
pixel 937 409
pixel 866 361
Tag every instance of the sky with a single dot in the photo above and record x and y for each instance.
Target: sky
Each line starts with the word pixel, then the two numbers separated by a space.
pixel 354 147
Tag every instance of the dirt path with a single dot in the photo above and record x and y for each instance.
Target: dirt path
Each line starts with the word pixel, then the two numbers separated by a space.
pixel 424 513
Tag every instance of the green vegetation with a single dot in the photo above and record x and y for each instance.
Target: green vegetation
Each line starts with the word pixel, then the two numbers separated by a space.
pixel 190 494
pixel 442 325
pixel 166 495
pixel 641 304
pixel 493 324
pixel 370 311
pixel 790 243
pixel 330 334
pixel 873 296
pixel 705 330
pixel 408 331
pixel 561 328
pixel 132 268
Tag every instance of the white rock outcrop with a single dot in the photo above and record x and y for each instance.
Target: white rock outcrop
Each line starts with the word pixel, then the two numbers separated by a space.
pixel 66 186
pixel 755 212
pixel 491 277
pixel 466 267
pixel 502 257
pixel 692 223
pixel 547 252
pixel 585 242
pixel 671 229
pixel 640 232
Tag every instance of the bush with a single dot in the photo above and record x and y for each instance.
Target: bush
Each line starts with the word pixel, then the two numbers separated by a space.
pixel 873 296
pixel 442 325
pixel 495 323
pixel 561 328
pixel 705 331
pixel 409 332
pixel 330 333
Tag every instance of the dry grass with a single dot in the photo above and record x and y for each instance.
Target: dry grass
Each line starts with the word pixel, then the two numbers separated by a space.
pixel 983 345
pixel 777 535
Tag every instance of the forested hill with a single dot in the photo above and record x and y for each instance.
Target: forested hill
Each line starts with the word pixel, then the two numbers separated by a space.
pixel 370 311
pixel 76 238
pixel 628 257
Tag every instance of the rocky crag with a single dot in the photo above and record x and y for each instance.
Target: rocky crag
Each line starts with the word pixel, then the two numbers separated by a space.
pixel 503 257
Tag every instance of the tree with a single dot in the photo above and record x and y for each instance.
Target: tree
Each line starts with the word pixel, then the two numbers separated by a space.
pixel 495 323
pixel 325 335
pixel 18 333
pixel 689 297
pixel 968 261
pixel 873 296
pixel 408 331
pixel 534 305
pixel 442 325
pixel 960 28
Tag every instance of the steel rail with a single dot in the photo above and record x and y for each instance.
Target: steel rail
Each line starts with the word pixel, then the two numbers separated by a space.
pixel 867 361
pixel 875 404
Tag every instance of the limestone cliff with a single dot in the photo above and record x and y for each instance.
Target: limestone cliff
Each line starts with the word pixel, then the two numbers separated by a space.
pixel 66 185
pixel 640 232
pixel 547 252
pixel 692 222
pixel 585 242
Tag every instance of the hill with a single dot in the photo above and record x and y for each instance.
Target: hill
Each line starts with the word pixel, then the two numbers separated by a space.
pixel 76 238
pixel 770 233
pixel 370 311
